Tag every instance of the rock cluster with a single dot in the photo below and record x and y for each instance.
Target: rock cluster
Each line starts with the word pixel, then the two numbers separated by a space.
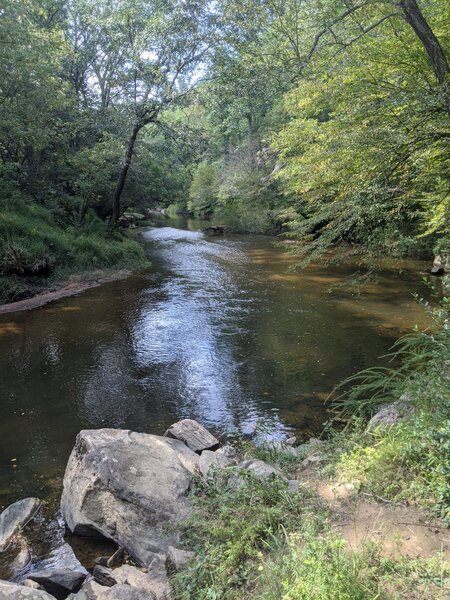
pixel 131 488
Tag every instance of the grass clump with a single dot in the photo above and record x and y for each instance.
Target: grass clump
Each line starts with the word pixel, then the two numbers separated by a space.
pixel 234 523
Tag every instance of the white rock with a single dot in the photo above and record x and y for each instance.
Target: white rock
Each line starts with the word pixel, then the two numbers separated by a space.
pixel 129 487
pixel 194 435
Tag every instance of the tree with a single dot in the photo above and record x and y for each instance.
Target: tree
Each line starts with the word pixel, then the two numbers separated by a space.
pixel 146 58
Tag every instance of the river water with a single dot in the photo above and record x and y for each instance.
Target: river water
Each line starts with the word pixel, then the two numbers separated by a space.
pixel 218 329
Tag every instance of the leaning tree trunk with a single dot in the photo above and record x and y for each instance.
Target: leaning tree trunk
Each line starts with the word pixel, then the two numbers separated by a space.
pixel 414 17
pixel 123 173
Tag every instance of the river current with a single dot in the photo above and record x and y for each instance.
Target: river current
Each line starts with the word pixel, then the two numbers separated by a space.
pixel 218 329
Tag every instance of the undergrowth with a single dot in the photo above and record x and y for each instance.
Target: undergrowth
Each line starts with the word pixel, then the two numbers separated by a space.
pixel 256 540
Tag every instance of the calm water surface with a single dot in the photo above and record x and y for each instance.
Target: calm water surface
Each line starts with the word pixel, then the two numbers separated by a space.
pixel 217 330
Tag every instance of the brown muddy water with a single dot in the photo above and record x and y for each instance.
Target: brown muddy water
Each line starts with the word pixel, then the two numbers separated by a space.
pixel 216 330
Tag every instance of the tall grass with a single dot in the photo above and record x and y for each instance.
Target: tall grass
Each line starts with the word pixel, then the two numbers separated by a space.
pixel 35 246
pixel 257 541
pixel 409 461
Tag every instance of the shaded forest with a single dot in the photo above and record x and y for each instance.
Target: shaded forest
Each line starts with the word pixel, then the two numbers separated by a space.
pixel 327 122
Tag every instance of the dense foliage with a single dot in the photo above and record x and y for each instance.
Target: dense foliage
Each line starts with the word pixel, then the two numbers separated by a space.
pixel 328 121
pixel 410 460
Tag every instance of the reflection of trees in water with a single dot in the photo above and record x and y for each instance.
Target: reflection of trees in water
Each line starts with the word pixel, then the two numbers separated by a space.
pixel 210 333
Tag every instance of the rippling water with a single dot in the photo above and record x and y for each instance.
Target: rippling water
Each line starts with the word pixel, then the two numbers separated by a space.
pixel 217 330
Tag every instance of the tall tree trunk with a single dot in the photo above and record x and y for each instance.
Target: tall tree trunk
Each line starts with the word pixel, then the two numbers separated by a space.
pixel 414 17
pixel 123 173
pixel 250 144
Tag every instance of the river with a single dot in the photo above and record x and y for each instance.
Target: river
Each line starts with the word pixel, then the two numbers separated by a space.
pixel 217 329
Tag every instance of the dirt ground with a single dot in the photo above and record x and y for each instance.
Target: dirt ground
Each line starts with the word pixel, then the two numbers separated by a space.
pixel 400 530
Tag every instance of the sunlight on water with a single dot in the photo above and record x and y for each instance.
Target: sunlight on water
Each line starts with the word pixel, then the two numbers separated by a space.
pixel 217 330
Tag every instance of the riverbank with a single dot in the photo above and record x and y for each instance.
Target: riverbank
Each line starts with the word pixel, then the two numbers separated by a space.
pixel 195 517
pixel 38 254
pixel 74 285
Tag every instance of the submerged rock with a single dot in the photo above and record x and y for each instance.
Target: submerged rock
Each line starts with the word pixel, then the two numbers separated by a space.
pixel 61 573
pixel 22 558
pixel 129 487
pixel 15 517
pixel 12 591
pixel 194 435
pixel 293 486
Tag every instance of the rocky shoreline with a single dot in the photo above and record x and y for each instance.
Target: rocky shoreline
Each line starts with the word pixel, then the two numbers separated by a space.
pixel 132 489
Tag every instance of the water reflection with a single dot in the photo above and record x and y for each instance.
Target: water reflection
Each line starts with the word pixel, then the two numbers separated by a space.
pixel 216 330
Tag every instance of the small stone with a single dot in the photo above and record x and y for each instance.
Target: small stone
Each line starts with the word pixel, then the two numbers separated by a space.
pixel 209 459
pixel 312 459
pixel 194 435
pixel 15 517
pixel 293 486
pixel 104 576
pixel 177 559
pixel 22 559
pixel 261 469
pixel 391 414
pixel 92 589
pixel 235 482
pixel 227 450
pixel 34 585
pixel 315 442
pixel 290 441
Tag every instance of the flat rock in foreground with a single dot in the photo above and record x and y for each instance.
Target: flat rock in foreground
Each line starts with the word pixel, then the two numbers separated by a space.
pixel 194 435
pixel 61 573
pixel 129 487
pixel 14 517
pixel 12 591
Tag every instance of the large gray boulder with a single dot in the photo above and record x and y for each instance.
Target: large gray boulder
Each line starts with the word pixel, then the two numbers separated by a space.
pixel 129 487
pixel 194 435
pixel 12 591
pixel 14 518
